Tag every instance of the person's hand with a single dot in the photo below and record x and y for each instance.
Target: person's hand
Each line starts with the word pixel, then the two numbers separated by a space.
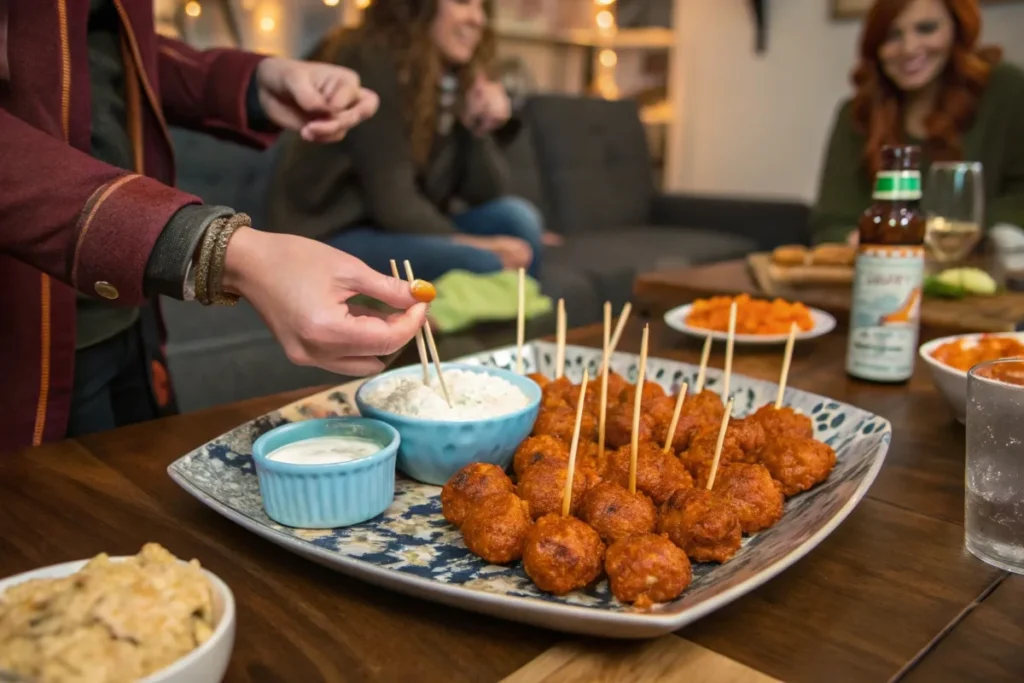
pixel 488 106
pixel 300 288
pixel 513 252
pixel 551 239
pixel 320 101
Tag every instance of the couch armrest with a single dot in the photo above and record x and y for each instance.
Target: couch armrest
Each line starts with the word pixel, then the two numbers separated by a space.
pixel 767 222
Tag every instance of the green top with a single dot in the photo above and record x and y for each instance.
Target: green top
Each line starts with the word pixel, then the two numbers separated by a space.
pixel 995 138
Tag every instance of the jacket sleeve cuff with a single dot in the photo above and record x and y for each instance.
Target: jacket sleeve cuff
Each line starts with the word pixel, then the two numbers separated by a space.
pixel 171 258
pixel 257 116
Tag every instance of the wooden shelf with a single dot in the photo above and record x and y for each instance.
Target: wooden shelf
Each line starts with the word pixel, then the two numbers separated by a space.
pixel 632 38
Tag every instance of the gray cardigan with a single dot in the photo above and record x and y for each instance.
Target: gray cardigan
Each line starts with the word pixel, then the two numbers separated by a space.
pixel 369 178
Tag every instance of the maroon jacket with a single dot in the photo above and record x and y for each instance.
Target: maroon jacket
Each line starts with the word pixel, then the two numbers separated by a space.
pixel 68 221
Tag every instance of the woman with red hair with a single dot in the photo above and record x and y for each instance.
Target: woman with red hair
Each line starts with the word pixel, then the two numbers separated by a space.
pixel 922 79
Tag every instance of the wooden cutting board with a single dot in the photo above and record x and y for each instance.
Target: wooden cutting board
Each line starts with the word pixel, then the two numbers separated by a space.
pixel 768 275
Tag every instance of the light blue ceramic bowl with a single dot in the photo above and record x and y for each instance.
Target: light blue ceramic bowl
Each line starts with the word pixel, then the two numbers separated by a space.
pixel 327 496
pixel 433 450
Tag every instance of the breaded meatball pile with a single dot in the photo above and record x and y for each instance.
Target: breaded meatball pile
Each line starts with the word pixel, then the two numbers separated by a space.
pixel 752 494
pixel 534 449
pixel 658 474
pixel 783 422
pixel 798 464
pixel 473 482
pixel 562 554
pixel 542 486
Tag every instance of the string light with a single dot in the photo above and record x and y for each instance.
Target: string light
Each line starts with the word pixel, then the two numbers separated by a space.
pixel 331 3
pixel 608 58
pixel 193 8
pixel 267 24
pixel 604 19
pixel 362 4
pixel 604 3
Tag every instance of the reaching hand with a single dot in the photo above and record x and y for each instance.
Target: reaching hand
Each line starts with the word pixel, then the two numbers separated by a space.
pixel 513 252
pixel 321 101
pixel 488 106
pixel 300 287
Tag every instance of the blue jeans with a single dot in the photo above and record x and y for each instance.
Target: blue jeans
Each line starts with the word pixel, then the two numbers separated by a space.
pixel 432 256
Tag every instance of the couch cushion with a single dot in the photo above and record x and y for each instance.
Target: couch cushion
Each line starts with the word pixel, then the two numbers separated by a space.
pixel 595 161
pixel 612 260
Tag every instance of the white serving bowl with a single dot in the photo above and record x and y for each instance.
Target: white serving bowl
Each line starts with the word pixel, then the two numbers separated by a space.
pixel 952 383
pixel 205 664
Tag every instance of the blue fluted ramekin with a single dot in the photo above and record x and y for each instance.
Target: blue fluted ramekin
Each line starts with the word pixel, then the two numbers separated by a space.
pixel 327 496
pixel 432 451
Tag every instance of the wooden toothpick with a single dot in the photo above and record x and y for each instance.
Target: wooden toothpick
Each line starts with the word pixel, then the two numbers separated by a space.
pixel 787 359
pixel 431 345
pixel 705 356
pixel 560 341
pixel 634 444
pixel 721 442
pixel 567 495
pixel 620 326
pixel 675 418
pixel 730 340
pixel 421 346
pixel 521 321
pixel 602 417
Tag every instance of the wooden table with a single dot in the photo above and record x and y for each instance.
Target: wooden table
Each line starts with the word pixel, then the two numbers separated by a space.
pixel 657 292
pixel 890 595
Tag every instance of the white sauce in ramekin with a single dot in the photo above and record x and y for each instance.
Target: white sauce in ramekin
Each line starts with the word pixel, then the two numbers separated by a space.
pixel 325 450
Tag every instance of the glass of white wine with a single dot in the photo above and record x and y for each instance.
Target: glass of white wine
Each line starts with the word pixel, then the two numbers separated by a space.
pixel 954 203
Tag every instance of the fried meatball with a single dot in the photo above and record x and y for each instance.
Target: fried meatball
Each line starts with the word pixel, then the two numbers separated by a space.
pixel 616 513
pixel 783 423
pixel 616 385
pixel 495 527
pixel 699 411
pixel 541 379
pixel 752 494
pixel 558 388
pixel 798 464
pixel 749 436
pixel 650 392
pixel 647 569
pixel 658 474
pixel 473 482
pixel 702 524
pixel 661 411
pixel 701 453
pixel 561 423
pixel 562 554
pixel 587 456
pixel 619 425
pixel 537 448
pixel 543 485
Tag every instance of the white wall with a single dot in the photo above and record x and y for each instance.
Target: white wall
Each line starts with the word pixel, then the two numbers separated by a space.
pixel 756 125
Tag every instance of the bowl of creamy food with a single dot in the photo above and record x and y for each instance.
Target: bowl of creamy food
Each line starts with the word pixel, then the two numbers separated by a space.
pixel 149 617
pixel 326 473
pixel 492 411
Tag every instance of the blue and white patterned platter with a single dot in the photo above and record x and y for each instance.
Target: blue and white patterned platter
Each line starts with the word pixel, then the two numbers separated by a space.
pixel 412 549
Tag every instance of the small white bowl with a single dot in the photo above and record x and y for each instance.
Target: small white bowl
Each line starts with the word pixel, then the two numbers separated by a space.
pixel 952 383
pixel 205 664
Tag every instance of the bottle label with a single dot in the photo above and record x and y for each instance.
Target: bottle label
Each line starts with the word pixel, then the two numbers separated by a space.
pixel 898 186
pixel 885 319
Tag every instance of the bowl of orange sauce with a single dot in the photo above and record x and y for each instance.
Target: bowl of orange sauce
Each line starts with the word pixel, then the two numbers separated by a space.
pixel 950 358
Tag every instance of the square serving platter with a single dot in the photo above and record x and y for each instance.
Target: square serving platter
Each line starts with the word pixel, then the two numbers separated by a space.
pixel 412 549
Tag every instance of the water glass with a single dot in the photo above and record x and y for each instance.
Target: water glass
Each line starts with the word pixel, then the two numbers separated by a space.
pixel 994 509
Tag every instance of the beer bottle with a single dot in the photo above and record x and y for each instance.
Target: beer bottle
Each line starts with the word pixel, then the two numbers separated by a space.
pixel 885 318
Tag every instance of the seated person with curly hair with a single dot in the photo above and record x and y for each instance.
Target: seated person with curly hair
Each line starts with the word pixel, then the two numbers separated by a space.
pixel 923 80
pixel 389 190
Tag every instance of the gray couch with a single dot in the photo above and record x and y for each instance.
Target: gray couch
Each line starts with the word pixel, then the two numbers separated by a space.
pixel 583 162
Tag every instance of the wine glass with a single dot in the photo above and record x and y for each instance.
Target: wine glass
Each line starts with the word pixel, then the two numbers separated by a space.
pixel 954 203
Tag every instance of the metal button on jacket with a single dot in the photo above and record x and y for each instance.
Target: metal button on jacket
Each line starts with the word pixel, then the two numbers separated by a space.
pixel 106 290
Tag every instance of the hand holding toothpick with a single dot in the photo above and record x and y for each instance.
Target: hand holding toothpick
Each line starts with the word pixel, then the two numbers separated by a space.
pixel 786 360
pixel 420 345
pixel 567 495
pixel 431 345
pixel 634 444
pixel 718 446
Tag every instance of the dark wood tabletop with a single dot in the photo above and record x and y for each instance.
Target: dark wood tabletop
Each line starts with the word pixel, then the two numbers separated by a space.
pixel 656 292
pixel 890 594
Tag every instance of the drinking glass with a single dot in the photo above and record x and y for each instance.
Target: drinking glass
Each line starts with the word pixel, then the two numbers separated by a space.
pixel 954 204
pixel 994 508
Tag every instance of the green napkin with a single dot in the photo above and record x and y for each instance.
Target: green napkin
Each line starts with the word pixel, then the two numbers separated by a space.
pixel 466 299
